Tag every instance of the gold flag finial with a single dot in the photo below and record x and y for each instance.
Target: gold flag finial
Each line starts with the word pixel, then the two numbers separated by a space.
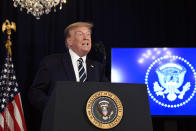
pixel 9 27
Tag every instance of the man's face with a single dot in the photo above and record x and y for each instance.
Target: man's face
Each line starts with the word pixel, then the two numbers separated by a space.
pixel 80 40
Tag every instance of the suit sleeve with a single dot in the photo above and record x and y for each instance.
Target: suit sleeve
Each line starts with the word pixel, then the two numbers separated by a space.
pixel 38 92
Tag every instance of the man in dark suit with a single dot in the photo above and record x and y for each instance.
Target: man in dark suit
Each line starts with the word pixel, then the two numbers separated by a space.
pixel 73 65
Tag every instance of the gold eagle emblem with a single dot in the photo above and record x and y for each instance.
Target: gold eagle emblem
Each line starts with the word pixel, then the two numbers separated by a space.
pixel 8 26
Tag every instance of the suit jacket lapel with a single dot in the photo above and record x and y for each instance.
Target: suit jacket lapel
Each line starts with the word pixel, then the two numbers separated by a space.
pixel 90 70
pixel 69 70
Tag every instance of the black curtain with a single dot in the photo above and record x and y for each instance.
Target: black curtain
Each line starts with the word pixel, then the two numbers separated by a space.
pixel 126 23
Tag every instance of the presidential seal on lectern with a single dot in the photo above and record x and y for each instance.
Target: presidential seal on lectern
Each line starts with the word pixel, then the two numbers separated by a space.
pixel 104 109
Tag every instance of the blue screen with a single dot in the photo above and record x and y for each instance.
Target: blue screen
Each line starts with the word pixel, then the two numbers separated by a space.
pixel 169 74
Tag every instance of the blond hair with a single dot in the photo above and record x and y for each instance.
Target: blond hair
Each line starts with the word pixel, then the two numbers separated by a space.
pixel 75 25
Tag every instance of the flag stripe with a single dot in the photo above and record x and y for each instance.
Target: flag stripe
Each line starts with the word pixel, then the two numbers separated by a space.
pixel 4 124
pixel 1 129
pixel 11 112
pixel 17 116
pixel 13 118
pixel 9 120
pixel 19 106
pixel 1 122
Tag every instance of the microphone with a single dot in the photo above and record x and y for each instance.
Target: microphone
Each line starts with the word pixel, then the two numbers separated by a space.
pixel 99 47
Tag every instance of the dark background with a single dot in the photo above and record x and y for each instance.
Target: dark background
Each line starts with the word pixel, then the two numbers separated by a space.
pixel 125 23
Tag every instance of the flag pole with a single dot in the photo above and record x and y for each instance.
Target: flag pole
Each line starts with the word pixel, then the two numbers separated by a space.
pixel 7 26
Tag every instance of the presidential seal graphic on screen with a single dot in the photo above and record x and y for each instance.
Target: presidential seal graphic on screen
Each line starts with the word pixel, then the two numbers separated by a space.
pixel 104 110
pixel 169 74
pixel 170 81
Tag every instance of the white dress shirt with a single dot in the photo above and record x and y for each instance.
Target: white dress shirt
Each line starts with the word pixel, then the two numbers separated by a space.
pixel 75 63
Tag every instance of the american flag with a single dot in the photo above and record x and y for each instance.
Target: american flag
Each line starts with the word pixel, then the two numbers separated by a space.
pixel 11 112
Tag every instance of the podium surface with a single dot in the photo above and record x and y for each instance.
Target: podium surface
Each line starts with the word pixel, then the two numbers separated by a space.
pixel 66 109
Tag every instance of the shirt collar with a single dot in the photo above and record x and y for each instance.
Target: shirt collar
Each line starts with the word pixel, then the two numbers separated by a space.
pixel 75 57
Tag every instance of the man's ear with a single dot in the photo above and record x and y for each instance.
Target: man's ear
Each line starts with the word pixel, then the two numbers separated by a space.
pixel 69 41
